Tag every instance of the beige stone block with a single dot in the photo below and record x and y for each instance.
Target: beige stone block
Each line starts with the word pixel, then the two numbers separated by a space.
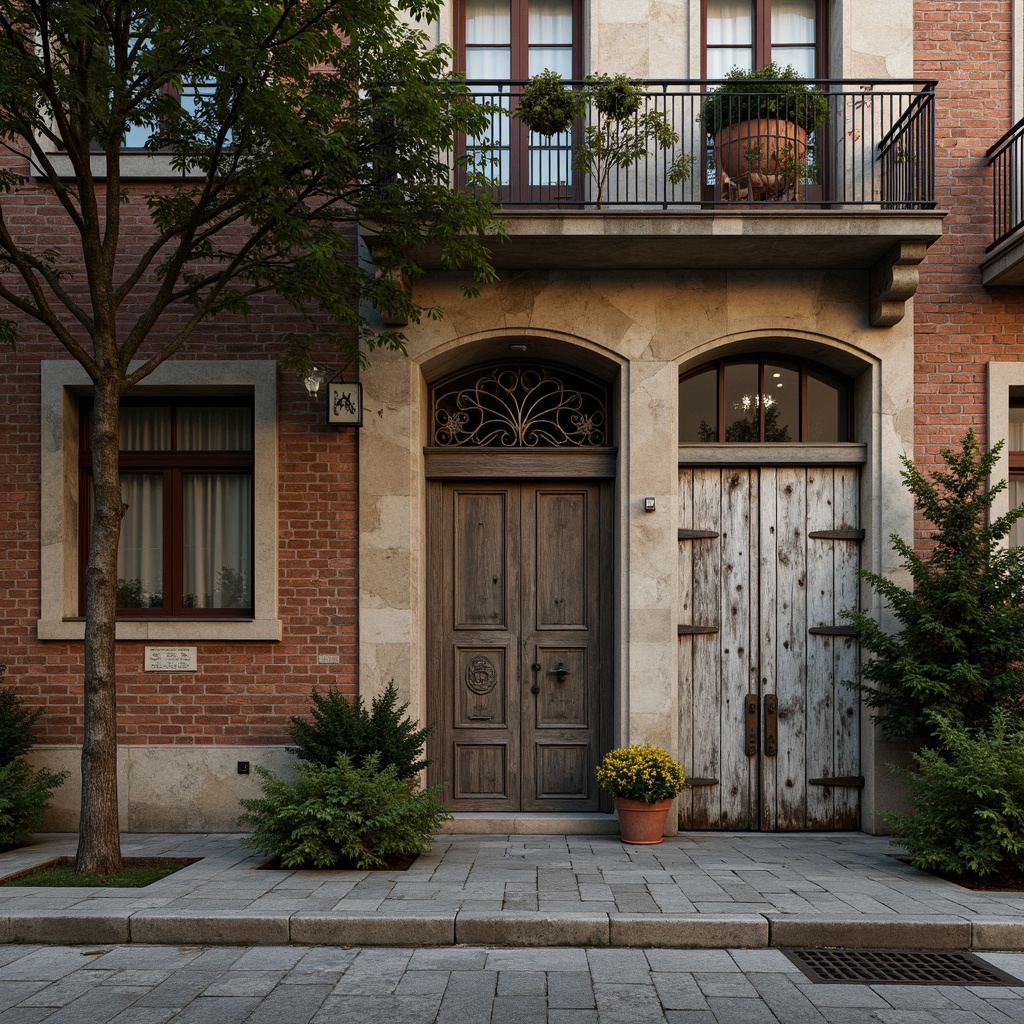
pixel 692 931
pixel 527 929
pixel 66 927
pixel 1006 933
pixel 169 927
pixel 342 929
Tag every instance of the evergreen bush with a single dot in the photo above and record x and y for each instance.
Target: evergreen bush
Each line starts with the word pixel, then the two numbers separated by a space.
pixel 24 791
pixel 969 797
pixel 343 815
pixel 959 653
pixel 340 726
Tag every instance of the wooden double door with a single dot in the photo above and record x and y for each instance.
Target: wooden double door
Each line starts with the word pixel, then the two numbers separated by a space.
pixel 519 620
pixel 769 728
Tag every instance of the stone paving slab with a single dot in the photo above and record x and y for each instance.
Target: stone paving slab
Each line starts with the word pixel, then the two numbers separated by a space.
pixel 702 890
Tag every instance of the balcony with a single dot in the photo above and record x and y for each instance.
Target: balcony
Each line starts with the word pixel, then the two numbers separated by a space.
pixel 1003 263
pixel 860 196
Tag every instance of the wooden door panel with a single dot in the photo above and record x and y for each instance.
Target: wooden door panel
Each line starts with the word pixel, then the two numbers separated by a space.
pixel 563 566
pixel 481 681
pixel 562 700
pixel 480 558
pixel 564 773
pixel 481 772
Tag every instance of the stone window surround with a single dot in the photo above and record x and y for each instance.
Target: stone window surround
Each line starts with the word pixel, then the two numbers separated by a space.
pixel 61 384
pixel 1003 382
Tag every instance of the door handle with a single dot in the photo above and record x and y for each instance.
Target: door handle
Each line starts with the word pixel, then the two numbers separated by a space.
pixel 751 724
pixel 535 668
pixel 771 725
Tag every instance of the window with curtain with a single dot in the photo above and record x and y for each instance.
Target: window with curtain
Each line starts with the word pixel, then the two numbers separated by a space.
pixel 1015 445
pixel 508 40
pixel 186 545
pixel 750 33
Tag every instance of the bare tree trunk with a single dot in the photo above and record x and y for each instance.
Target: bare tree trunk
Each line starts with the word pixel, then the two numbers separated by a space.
pixel 99 843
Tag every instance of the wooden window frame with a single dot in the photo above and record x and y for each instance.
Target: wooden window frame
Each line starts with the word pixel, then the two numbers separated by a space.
pixel 762 36
pixel 171 464
pixel 761 359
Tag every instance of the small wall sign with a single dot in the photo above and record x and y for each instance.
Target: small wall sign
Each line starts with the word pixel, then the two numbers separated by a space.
pixel 170 659
pixel 345 403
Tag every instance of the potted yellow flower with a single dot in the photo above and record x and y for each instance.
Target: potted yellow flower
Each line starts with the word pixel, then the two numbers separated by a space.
pixel 643 780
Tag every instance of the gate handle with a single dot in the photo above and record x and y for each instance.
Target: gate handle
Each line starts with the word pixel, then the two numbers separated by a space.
pixel 535 668
pixel 751 705
pixel 771 724
pixel 559 672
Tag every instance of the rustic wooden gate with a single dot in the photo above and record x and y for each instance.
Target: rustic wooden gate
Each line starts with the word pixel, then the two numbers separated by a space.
pixel 769 732
pixel 519 626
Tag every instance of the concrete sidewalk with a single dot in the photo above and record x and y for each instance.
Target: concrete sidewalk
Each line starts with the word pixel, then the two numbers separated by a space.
pixel 709 890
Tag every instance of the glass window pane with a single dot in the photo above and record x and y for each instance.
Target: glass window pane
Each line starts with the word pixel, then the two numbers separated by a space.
pixel 550 21
pixel 793 21
pixel 742 403
pixel 827 409
pixel 551 58
pixel 800 58
pixel 144 429
pixel 550 165
pixel 207 428
pixel 781 401
pixel 1016 492
pixel 1015 442
pixel 140 550
pixel 488 64
pixel 488 21
pixel 698 407
pixel 721 61
pixel 216 540
pixel 730 21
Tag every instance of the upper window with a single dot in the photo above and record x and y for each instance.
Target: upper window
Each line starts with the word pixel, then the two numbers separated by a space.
pixel 186 545
pixel 750 33
pixel 764 399
pixel 1015 444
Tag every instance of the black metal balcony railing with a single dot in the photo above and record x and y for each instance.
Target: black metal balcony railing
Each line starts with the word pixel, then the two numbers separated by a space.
pixel 1006 158
pixel 875 149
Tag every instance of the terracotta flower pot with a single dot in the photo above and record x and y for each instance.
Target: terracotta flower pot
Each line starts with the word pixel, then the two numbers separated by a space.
pixel 761 159
pixel 642 824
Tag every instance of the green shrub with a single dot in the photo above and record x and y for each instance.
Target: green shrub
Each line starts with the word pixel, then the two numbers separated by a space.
pixel 969 797
pixel 340 726
pixel 342 815
pixel 24 791
pixel 959 652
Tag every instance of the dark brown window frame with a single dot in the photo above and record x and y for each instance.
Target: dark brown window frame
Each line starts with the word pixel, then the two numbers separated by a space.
pixel 171 464
pixel 761 358
pixel 762 36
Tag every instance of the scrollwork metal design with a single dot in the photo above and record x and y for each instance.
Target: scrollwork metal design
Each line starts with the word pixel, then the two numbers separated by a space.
pixel 511 406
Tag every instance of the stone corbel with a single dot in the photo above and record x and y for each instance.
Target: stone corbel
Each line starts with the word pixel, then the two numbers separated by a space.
pixel 894 280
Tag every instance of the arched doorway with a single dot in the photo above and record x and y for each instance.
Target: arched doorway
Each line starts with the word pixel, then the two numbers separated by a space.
pixel 769 535
pixel 520 478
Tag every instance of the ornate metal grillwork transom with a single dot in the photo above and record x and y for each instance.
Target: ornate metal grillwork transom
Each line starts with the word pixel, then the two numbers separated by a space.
pixel 513 405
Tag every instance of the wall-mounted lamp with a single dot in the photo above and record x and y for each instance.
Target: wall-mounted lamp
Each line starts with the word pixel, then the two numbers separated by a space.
pixel 344 398
pixel 649 505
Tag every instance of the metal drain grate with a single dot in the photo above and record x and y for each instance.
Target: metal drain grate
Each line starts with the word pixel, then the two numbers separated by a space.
pixel 898 967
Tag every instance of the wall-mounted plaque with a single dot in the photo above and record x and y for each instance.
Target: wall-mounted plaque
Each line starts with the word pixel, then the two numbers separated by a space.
pixel 170 659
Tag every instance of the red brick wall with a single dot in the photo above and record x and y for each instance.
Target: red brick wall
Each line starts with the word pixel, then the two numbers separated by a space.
pixel 242 692
pixel 959 324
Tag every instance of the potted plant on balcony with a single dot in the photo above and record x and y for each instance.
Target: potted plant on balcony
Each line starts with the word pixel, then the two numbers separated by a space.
pixel 760 121
pixel 619 133
pixel 643 780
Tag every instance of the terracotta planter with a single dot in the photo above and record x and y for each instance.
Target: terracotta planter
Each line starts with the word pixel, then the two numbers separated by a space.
pixel 761 160
pixel 642 824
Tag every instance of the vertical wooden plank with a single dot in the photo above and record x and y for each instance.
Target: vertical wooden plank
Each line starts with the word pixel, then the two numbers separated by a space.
pixel 738 778
pixel 768 640
pixel 821 690
pixel 847 588
pixel 686 645
pixel 791 654
pixel 706 729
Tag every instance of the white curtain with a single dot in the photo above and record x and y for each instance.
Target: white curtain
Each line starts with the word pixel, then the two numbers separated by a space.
pixel 1016 491
pixel 730 36
pixel 140 550
pixel 217 540
pixel 488 22
pixel 214 429
pixel 793 35
pixel 144 429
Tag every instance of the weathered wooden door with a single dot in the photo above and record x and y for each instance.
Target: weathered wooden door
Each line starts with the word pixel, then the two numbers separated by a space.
pixel 519 625
pixel 769 732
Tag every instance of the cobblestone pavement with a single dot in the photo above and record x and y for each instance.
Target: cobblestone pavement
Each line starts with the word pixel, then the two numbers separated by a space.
pixel 137 984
